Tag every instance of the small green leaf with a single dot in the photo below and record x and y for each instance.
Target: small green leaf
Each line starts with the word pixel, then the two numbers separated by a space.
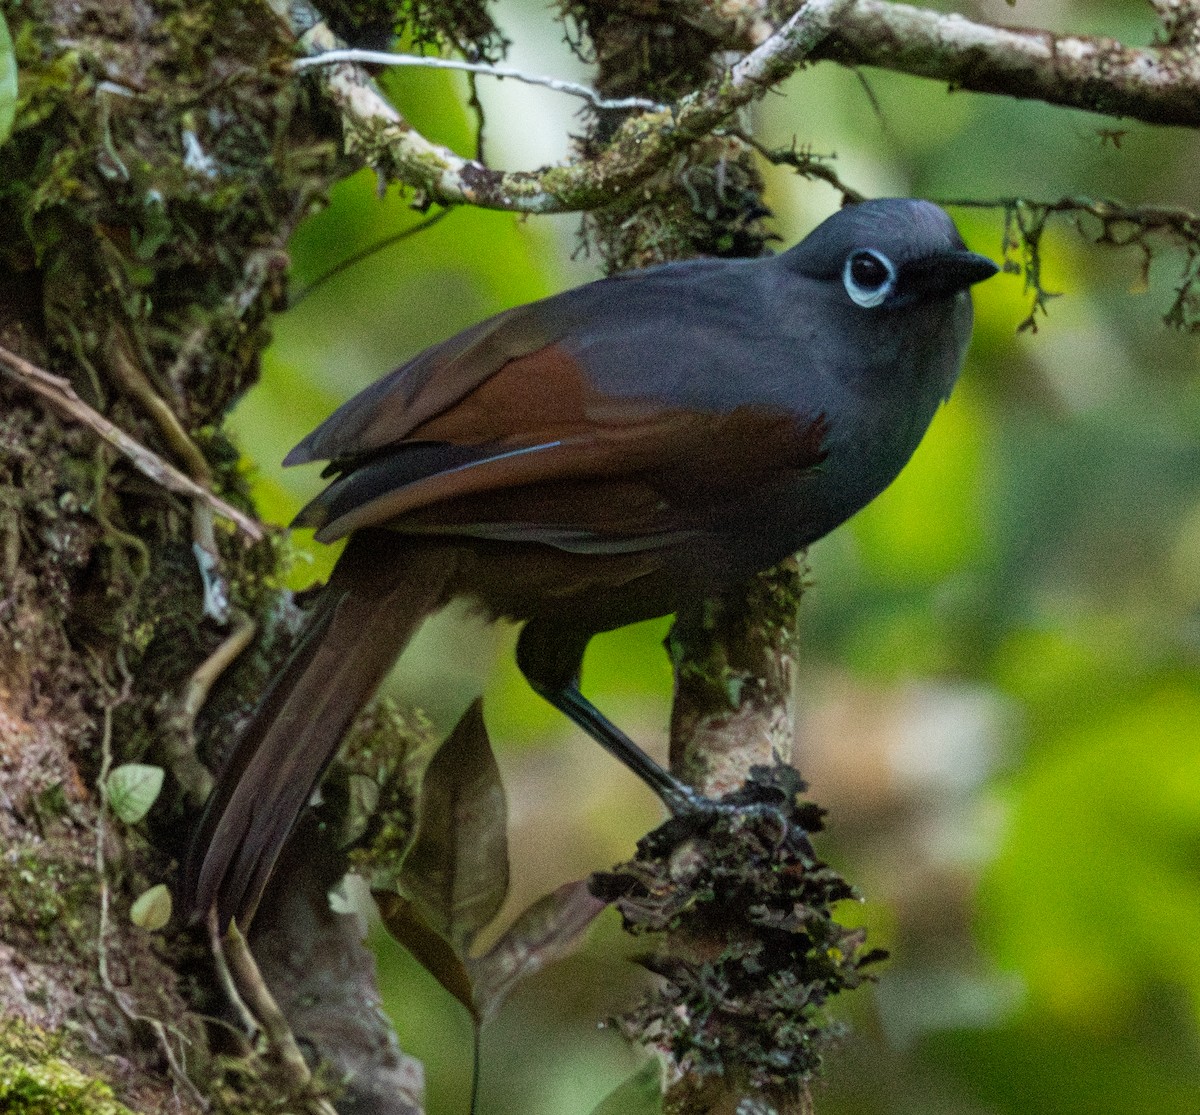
pixel 152 909
pixel 132 789
pixel 456 871
pixel 641 1094
pixel 543 933
pixel 8 81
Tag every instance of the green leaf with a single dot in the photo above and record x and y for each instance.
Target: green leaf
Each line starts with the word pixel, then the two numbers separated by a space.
pixel 543 933
pixel 151 910
pixel 456 871
pixel 8 81
pixel 641 1094
pixel 132 789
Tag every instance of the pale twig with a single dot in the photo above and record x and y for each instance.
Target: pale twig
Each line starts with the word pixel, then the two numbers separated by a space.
pixel 225 978
pixel 179 745
pixel 61 394
pixel 558 84
pixel 256 995
pixel 131 377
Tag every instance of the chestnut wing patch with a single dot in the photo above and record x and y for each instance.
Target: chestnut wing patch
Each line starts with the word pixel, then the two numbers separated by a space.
pixel 441 377
pixel 612 486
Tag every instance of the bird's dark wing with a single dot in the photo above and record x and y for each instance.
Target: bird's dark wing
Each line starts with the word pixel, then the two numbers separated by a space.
pixel 535 453
pixel 390 409
pixel 448 375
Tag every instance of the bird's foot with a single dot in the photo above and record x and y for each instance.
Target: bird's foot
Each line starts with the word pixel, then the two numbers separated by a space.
pixel 770 797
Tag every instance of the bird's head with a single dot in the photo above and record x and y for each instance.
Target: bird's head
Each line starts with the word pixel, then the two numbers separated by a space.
pixel 889 254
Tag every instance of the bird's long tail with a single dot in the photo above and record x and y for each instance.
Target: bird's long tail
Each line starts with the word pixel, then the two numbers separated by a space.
pixel 381 590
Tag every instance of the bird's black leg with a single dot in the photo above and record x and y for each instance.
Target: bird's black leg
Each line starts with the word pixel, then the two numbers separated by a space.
pixel 550 661
pixel 677 796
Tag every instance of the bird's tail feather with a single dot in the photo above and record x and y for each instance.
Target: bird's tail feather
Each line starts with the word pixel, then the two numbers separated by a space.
pixel 381 591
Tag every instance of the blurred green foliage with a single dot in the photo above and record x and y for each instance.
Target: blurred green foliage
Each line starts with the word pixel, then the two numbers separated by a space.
pixel 1037 878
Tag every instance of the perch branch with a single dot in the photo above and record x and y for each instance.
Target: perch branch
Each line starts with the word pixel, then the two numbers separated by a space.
pixel 641 145
pixel 61 394
pixel 1180 20
pixel 1158 85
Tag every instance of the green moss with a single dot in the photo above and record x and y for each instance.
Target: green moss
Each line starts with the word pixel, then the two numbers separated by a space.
pixel 373 787
pixel 44 894
pixel 36 1080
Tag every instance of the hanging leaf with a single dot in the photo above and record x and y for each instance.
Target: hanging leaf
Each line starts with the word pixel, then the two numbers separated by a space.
pixel 543 933
pixel 429 948
pixel 8 81
pixel 641 1094
pixel 132 788
pixel 456 871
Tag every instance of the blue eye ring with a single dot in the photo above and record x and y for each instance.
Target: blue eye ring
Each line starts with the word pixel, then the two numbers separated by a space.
pixel 869 277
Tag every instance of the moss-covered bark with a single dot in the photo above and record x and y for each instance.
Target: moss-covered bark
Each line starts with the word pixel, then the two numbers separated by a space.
pixel 161 156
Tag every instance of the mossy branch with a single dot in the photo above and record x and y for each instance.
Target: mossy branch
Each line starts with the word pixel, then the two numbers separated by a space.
pixel 642 145
pixel 1156 84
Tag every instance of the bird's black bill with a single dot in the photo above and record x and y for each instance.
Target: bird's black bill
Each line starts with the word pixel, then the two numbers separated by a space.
pixel 967 268
pixel 945 273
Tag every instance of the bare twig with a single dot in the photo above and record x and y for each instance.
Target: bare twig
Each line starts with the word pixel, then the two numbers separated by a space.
pixel 131 377
pixel 281 1042
pixel 425 61
pixel 805 162
pixel 133 381
pixel 61 394
pixel 1101 221
pixel 370 250
pixel 179 743
pixel 250 1026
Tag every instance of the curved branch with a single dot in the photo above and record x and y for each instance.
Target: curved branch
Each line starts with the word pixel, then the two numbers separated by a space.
pixel 1155 85
pixel 641 145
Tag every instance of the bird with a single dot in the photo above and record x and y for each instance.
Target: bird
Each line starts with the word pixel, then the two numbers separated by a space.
pixel 590 460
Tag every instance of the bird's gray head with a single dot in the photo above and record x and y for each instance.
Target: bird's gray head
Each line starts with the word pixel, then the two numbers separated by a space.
pixel 889 254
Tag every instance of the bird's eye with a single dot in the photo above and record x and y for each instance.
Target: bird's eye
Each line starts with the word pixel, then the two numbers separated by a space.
pixel 869 277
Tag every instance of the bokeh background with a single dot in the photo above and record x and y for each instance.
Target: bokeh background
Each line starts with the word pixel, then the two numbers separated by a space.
pixel 1000 690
